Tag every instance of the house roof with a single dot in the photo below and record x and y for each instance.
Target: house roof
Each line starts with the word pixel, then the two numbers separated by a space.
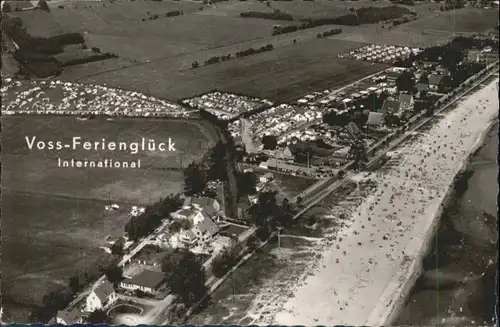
pixel 405 98
pixel 268 175
pixel 207 226
pixel 422 86
pixel 149 253
pixel 147 278
pixel 103 290
pixel 390 106
pixel 435 79
pixel 69 316
pixel 206 204
pixel 185 212
pixel 189 234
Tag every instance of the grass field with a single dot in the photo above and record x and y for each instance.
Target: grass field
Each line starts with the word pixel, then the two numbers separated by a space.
pixel 465 20
pixel 37 171
pixel 53 219
pixel 118 27
pixel 283 74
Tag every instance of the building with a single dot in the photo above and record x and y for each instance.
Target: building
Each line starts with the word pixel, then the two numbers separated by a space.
pixel 205 230
pixel 193 214
pixel 69 317
pixel 422 87
pixel 390 107
pixel 267 177
pixel 101 296
pixel 284 153
pixel 147 281
pixel 188 238
pixel 435 81
pixel 208 205
pixel 150 256
pixel 406 101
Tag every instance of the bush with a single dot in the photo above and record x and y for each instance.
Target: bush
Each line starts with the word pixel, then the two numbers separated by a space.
pixel 277 15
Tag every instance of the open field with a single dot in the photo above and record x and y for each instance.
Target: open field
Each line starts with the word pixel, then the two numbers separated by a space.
pixel 53 219
pixel 118 28
pixel 46 240
pixel 432 28
pixel 465 20
pixel 283 74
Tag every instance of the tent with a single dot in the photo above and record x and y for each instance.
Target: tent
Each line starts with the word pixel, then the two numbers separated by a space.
pixel 375 118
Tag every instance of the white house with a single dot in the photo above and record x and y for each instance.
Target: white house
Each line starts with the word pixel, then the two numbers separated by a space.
pixel 193 214
pixel 69 317
pixel 205 230
pixel 101 297
pixel 267 177
pixel 188 238
pixel 147 281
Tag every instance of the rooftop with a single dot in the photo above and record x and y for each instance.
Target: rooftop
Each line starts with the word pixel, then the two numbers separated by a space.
pixel 207 225
pixel 390 106
pixel 147 278
pixel 103 290
pixel 69 316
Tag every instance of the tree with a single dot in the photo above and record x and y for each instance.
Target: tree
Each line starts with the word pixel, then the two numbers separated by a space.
pixel 117 247
pixel 285 214
pixel 6 7
pixel 74 284
pixel 424 78
pixel 98 317
pixel 405 81
pixel 246 183
pixel 224 262
pixel 357 152
pixel 114 274
pixel 195 179
pixel 270 142
pixel 217 160
pixel 253 243
pixel 195 64
pixel 185 276
pixel 42 4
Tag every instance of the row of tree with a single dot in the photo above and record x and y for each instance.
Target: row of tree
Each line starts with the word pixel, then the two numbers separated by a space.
pixel 168 14
pixel 276 15
pixel 211 167
pixel 328 33
pixel 243 53
pixel 185 276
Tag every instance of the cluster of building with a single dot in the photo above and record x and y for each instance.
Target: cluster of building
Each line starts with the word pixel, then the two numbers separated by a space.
pixel 289 122
pixel 225 105
pixel 386 54
pixel 65 98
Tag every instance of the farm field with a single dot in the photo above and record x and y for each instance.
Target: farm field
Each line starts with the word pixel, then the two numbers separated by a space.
pixel 46 240
pixel 287 73
pixel 465 20
pixel 53 219
pixel 118 28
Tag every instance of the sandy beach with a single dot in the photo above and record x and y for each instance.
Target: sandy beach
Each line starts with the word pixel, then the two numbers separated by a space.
pixel 365 273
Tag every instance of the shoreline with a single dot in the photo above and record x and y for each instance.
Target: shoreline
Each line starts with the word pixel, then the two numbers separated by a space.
pixel 401 294
pixel 389 272
pixel 464 281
